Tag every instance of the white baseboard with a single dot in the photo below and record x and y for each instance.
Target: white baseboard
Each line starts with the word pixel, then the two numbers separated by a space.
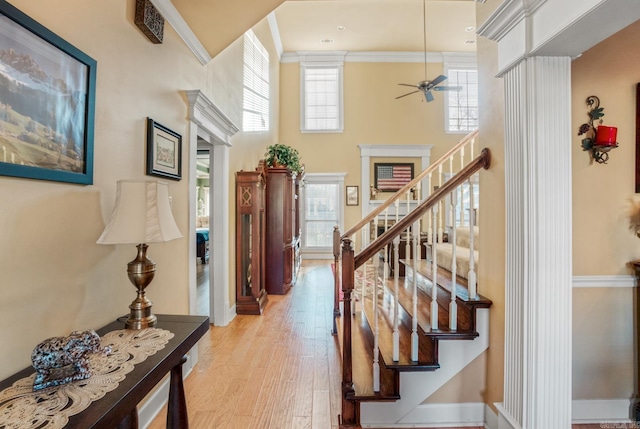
pixel 441 415
pixel 582 411
pixel 601 411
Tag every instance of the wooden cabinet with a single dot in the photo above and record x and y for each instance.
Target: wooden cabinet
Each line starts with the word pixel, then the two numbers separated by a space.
pixel 251 295
pixel 280 234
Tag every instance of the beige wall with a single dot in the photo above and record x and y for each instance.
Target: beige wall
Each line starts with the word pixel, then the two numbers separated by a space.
pixel 603 321
pixel 225 82
pixel 371 116
pixel 55 278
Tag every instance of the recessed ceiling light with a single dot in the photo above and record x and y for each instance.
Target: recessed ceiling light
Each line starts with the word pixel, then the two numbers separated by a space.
pixel 326 41
pixel 469 29
pixel 341 27
pixel 469 42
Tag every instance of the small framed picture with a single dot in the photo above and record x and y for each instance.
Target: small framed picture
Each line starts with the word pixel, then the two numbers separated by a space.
pixel 352 196
pixel 164 151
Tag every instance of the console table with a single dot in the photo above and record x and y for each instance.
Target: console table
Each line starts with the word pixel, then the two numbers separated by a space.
pixel 117 409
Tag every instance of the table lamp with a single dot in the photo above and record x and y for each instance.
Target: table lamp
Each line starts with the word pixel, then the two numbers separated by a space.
pixel 142 214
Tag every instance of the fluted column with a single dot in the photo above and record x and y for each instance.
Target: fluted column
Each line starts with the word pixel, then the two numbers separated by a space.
pixel 537 390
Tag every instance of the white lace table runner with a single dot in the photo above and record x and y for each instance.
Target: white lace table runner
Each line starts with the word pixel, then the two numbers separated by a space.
pixel 22 408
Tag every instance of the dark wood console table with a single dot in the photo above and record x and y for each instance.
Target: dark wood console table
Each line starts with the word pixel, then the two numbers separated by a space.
pixel 117 409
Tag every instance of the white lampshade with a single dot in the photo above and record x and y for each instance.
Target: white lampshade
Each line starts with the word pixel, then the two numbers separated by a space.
pixel 142 214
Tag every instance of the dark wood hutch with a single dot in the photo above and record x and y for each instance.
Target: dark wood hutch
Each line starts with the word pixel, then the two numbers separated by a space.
pixel 283 230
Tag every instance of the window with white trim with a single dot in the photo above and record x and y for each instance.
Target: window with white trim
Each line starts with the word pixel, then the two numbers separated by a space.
pixel 461 107
pixel 321 93
pixel 322 210
pixel 255 104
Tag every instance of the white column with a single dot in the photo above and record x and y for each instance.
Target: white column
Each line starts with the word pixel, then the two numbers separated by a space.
pixel 537 390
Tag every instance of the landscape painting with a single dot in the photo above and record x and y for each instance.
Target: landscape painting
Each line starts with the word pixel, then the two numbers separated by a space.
pixel 47 92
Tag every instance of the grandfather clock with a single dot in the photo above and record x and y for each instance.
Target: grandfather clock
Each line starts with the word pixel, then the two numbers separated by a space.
pixel 251 296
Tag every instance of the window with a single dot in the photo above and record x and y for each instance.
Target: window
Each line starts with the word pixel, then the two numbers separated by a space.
pixel 321 97
pixel 461 106
pixel 255 103
pixel 322 211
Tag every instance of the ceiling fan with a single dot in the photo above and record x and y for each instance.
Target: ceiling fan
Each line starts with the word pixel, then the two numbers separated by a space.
pixel 426 86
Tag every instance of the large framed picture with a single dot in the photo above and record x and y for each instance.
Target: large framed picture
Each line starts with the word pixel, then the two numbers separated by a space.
pixel 390 177
pixel 164 151
pixel 47 103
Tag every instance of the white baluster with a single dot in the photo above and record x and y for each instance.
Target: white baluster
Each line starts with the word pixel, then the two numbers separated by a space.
pixel 414 329
pixel 408 243
pixel 396 307
pixel 376 332
pixel 453 306
pixel 440 233
pixel 472 144
pixel 434 277
pixel 386 248
pixel 472 273
pixel 429 229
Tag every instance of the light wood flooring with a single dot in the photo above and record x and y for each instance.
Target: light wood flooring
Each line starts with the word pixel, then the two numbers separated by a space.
pixel 280 370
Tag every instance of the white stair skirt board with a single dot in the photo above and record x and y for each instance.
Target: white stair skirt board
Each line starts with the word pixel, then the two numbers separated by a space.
pixel 583 411
pixel 416 387
pixel 444 415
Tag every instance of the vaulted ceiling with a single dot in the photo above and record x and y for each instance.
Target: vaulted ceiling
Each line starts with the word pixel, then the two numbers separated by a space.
pixel 349 25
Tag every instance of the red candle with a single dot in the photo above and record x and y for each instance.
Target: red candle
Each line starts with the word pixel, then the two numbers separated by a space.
pixel 606 135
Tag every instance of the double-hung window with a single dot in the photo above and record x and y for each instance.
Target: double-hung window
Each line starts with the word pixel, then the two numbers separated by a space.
pixel 321 96
pixel 461 107
pixel 255 105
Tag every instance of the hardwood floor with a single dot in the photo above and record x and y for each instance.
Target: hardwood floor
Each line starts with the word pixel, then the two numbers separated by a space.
pixel 276 371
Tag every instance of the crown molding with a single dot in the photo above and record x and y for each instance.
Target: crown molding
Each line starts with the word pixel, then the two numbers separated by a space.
pixel 207 115
pixel 377 57
pixel 173 17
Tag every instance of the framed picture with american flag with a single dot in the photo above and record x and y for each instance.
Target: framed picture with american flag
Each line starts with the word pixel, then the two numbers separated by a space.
pixel 389 177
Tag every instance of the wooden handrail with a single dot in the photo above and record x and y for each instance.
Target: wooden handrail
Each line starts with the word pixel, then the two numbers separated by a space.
pixel 430 169
pixel 482 161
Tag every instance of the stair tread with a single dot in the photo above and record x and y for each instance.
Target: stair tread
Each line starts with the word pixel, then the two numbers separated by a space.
pixel 362 357
pixel 424 268
pixel 427 360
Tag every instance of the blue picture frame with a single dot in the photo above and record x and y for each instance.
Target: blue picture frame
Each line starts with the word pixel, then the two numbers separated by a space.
pixel 47 103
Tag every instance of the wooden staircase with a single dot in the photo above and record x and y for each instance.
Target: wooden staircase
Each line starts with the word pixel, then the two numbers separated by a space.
pixel 382 309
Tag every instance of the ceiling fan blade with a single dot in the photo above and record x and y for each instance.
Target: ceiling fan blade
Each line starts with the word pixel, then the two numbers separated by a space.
pixel 437 80
pixel 407 84
pixel 429 96
pixel 408 93
pixel 447 88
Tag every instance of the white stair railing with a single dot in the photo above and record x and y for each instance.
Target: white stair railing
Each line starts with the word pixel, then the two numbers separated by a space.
pixel 415 230
pixel 376 328
pixel 453 306
pixel 471 279
pixel 434 275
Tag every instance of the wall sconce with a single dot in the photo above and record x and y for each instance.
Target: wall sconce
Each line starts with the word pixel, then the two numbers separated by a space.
pixel 601 140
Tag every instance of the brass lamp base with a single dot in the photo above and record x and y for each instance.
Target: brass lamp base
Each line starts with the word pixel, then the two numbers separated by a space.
pixel 141 271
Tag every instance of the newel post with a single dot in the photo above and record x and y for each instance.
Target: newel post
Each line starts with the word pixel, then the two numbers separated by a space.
pixel 348 417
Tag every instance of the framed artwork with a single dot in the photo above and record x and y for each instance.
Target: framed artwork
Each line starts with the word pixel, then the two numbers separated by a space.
pixel 389 177
pixel 164 151
pixel 352 196
pixel 47 103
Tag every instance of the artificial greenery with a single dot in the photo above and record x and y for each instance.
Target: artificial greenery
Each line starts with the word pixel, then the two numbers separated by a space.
pixel 281 154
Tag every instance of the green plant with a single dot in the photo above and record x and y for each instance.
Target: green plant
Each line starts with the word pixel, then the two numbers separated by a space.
pixel 281 154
